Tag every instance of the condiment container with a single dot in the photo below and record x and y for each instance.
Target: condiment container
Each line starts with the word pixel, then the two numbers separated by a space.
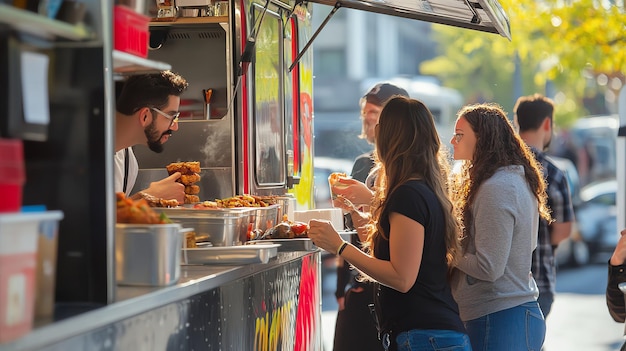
pixel 148 254
pixel 18 264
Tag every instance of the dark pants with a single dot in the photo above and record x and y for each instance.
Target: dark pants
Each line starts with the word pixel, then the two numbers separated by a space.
pixel 355 329
pixel 545 300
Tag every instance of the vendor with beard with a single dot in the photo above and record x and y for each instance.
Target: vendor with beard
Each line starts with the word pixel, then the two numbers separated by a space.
pixel 147 113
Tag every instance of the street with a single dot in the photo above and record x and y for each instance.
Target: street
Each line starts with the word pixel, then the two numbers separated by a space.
pixel 579 320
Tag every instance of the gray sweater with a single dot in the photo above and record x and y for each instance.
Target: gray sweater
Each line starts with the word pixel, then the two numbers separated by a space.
pixel 494 273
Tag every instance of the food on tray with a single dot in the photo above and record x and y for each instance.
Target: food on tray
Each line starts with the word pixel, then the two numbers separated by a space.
pixel 154 201
pixel 137 212
pixel 191 199
pixel 189 176
pixel 239 201
pixel 287 230
pixel 205 204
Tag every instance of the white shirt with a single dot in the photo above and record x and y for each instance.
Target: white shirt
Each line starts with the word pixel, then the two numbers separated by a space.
pixel 133 170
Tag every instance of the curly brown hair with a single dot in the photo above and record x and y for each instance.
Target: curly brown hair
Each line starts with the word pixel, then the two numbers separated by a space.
pixel 497 145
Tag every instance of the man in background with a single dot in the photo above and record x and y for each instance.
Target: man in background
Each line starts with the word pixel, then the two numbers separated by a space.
pixel 355 328
pixel 533 118
pixel 147 114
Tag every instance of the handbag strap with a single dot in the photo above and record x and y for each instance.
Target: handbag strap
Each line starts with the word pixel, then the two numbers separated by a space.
pixel 126 164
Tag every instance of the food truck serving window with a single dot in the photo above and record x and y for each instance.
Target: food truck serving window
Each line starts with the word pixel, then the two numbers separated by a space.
pixel 268 111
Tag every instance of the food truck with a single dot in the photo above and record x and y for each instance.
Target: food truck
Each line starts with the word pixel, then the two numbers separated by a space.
pixel 247 117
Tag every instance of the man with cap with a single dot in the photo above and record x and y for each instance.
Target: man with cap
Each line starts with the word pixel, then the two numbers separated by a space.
pixel 355 328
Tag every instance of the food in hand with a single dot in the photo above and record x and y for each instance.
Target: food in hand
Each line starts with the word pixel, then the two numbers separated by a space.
pixel 154 201
pixel 333 179
pixel 137 212
pixel 183 167
pixel 192 189
pixel 189 179
pixel 189 176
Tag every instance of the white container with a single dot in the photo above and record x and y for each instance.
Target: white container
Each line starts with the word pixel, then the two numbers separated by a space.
pixel 18 264
pixel 334 215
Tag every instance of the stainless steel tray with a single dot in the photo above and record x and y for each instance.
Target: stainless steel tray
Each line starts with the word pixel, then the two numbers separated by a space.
pixel 295 244
pixel 230 255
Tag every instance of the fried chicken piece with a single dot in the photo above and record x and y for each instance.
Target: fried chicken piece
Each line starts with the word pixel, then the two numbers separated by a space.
pixel 189 179
pixel 191 199
pixel 192 189
pixel 185 168
pixel 154 201
pixel 136 212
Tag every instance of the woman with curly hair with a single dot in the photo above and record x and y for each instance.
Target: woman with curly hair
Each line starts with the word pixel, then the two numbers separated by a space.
pixel 499 195
pixel 412 242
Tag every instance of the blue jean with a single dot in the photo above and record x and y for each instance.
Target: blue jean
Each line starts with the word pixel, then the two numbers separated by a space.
pixel 521 328
pixel 432 340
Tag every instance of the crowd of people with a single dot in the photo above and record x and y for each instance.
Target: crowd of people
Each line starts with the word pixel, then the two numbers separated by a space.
pixel 440 260
pixel 459 260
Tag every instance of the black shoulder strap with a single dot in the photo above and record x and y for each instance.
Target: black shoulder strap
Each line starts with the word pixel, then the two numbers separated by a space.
pixel 126 163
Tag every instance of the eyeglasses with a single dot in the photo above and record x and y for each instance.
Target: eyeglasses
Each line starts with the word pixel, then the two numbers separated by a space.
pixel 173 118
pixel 457 137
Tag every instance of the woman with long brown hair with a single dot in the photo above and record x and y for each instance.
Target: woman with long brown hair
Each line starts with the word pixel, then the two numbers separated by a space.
pixel 499 195
pixel 413 234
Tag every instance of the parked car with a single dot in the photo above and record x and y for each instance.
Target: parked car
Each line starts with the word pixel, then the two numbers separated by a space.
pixel 573 250
pixel 596 217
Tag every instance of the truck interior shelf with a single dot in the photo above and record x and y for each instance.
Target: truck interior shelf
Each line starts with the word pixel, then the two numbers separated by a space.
pixel 41 26
pixel 190 20
pixel 127 63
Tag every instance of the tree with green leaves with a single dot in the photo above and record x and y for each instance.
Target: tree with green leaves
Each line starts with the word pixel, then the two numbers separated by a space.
pixel 575 48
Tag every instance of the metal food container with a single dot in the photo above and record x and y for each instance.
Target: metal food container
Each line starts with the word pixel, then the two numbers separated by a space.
pixel 222 226
pixel 147 254
pixel 287 207
pixel 265 217
pixel 242 254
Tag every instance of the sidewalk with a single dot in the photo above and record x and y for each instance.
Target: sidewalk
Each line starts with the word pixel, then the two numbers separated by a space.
pixel 577 323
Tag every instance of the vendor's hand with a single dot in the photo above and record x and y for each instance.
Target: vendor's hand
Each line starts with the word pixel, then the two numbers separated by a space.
pixel 168 188
pixel 619 255
pixel 353 190
pixel 324 235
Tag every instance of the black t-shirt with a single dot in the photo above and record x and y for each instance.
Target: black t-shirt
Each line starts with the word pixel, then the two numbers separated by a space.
pixel 429 303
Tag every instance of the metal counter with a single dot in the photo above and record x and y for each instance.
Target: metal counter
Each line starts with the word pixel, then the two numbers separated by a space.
pixel 211 307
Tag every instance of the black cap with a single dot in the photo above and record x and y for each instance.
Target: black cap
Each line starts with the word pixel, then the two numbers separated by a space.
pixel 380 93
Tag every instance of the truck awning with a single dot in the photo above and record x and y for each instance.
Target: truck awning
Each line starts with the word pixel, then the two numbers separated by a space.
pixel 481 15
